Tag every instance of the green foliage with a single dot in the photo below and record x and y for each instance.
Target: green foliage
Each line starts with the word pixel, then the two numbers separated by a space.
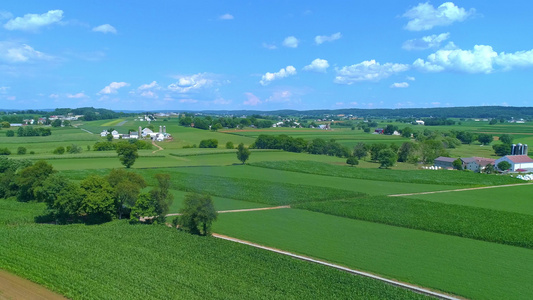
pixel 59 150
pixel 126 189
pixel 5 124
pixel 502 149
pixel 387 158
pixel 484 138
pixel 5 151
pixel 407 150
pixel 242 153
pixel 21 150
pixel 504 165
pixel 62 197
pixel 31 131
pixel 97 199
pixel 104 146
pixel 31 178
pixel 210 143
pixel 352 161
pixel 506 139
pixel 10 133
pixel 442 177
pixel 154 204
pixel 56 123
pixel 457 164
pixel 464 221
pixel 127 154
pixel 489 169
pixel 73 149
pixel 197 214
pixel 360 150
pixel 229 145
pixel 375 149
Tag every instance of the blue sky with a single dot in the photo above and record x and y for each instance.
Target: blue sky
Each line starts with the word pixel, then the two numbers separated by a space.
pixel 264 55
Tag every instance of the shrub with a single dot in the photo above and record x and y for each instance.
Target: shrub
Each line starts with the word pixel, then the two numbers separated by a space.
pixel 229 145
pixel 4 151
pixel 21 150
pixel 72 149
pixel 59 150
pixel 210 143
pixel 10 133
pixel 32 152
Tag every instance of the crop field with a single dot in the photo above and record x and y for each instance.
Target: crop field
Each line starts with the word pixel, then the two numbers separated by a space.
pixel 466 267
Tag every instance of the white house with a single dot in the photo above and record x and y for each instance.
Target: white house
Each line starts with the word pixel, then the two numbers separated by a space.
pixel 419 122
pixel 115 134
pixel 517 162
pixel 104 133
pixel 476 164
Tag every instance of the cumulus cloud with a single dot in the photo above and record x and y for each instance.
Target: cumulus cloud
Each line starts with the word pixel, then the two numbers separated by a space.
pixel 319 39
pixel 426 42
pixel 5 15
pixel 317 65
pixel 291 42
pixel 192 83
pixel 270 46
pixel 284 72
pixel 253 100
pixel 113 88
pixel 226 17
pixel 425 16
pixel 12 52
pixel 399 85
pixel 32 22
pixel 77 96
pixel 482 59
pixel 369 70
pixel 105 28
pixel 148 86
pixel 410 78
pixel 149 94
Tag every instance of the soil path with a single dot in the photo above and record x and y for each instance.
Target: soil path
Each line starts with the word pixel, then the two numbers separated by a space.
pixel 14 287
pixel 159 147
pixel 404 285
pixel 242 210
pixel 462 190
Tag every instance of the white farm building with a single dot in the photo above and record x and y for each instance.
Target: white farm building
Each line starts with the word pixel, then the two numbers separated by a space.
pixel 517 162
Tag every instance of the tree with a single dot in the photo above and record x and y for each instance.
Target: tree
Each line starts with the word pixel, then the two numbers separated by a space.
pixel 154 204
pixel 210 143
pixel 21 150
pixel 97 202
pixel 406 132
pixel 406 150
pixel 484 138
pixel 502 149
pixel 5 124
pixel 375 149
pixel 127 153
pixel 56 123
pixel 506 139
pixel 10 133
pixel 126 189
pixel 109 137
pixel 360 150
pixel 61 196
pixel 489 169
pixel 387 158
pixel 352 161
pixel 458 164
pixel 242 153
pixel 31 178
pixel 229 145
pixel 389 130
pixel 493 121
pixel 504 165
pixel 198 214
pixel 59 150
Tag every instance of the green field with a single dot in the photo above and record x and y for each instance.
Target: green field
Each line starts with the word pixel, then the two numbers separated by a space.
pixel 469 268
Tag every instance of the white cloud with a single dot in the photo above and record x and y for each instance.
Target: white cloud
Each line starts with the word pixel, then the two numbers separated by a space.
pixel 280 96
pixel 291 42
pixel 252 100
pixel 5 15
pixel 148 86
pixel 284 72
pixel 410 78
pixel 424 16
pixel 399 85
pixel 270 46
pixel 105 28
pixel 317 65
pixel 482 59
pixel 192 83
pixel 188 101
pixel 426 42
pixel 13 52
pixel 32 22
pixel 54 96
pixel 113 87
pixel 319 39
pixel 77 96
pixel 226 17
pixel 149 94
pixel 369 70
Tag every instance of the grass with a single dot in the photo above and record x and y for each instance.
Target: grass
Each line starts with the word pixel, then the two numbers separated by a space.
pixel 13 212
pixel 443 177
pixel 464 221
pixel 122 261
pixel 466 267
pixel 511 199
pixel 221 203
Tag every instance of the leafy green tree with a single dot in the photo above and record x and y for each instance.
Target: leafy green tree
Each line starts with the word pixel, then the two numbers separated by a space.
pixel 126 189
pixel 506 139
pixel 127 154
pixel 62 197
pixel 10 133
pixel 5 124
pixel 406 150
pixel 5 151
pixel 31 178
pixel 198 214
pixel 242 153
pixel 97 199
pixel 216 127
pixel 493 121
pixel 59 150
pixel 360 150
pixel 502 149
pixel 504 165
pixel 484 138
pixel 458 164
pixel 154 204
pixel 406 132
pixel 375 149
pixel 21 150
pixel 431 149
pixel 229 145
pixel 389 130
pixel 56 123
pixel 387 158
pixel 352 161
pixel 109 137
pixel 210 143
pixel 489 169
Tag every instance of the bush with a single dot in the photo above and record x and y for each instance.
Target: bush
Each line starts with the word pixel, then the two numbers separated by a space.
pixel 10 133
pixel 210 143
pixel 72 149
pixel 229 145
pixel 21 150
pixel 32 152
pixel 59 150
pixel 5 151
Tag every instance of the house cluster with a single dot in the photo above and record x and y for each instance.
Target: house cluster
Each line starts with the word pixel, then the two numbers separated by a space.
pixel 519 163
pixel 69 117
pixel 382 131
pixel 142 133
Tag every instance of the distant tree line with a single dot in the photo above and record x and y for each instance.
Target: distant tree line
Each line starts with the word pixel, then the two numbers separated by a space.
pixel 291 144
pixel 213 123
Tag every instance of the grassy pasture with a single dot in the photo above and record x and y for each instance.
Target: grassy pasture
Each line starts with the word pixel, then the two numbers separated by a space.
pixel 464 221
pixel 466 267
pixel 512 199
pixel 220 203
pixel 123 261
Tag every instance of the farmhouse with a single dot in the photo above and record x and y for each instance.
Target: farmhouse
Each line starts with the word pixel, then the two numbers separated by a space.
pixel 476 164
pixel 419 122
pixel 379 131
pixel 444 162
pixel 517 162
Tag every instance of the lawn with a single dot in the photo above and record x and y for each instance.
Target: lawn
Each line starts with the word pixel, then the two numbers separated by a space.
pixel 469 268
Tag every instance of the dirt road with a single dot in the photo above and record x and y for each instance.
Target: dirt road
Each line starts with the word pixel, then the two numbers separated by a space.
pixel 462 190
pixel 15 288
pixel 242 210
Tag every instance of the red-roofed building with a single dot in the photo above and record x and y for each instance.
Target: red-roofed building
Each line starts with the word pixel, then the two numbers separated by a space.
pixel 517 162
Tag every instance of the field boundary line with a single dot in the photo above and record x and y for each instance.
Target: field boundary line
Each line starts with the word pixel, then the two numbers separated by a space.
pixel 404 285
pixel 462 190
pixel 242 210
pixel 86 130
